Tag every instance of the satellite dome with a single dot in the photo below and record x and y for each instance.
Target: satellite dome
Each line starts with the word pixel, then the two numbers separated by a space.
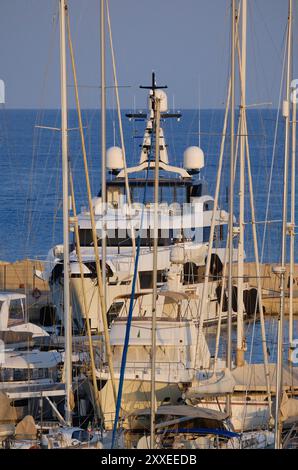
pixel 193 158
pixel 163 100
pixel 114 158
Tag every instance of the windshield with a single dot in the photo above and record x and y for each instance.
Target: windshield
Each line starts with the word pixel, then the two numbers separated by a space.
pixel 16 312
pixel 168 193
pixel 81 435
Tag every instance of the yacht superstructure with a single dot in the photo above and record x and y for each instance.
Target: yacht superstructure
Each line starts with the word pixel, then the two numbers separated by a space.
pixel 184 218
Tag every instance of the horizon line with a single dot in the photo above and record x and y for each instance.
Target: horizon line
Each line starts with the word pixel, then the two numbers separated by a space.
pixel 25 108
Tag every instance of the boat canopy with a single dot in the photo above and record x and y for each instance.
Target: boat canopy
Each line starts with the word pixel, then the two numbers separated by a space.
pixel 184 411
pixel 4 296
pixel 33 359
pixel 220 383
pixel 252 377
pixel 11 309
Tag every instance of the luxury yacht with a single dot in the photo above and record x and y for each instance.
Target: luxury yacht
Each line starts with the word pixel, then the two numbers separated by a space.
pixel 184 220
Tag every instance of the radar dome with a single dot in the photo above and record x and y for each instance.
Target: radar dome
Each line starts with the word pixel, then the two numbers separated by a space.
pixel 193 158
pixel 163 100
pixel 114 158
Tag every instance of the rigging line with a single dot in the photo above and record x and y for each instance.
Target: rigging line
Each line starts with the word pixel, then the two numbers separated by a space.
pixel 129 318
pixel 224 275
pixel 96 396
pixel 224 53
pixel 255 244
pixel 260 15
pixel 222 293
pixel 273 155
pixel 218 182
pixel 92 219
pixel 33 208
pixel 255 49
pixel 39 189
pixel 45 193
pixel 127 188
pixel 41 112
pixel 11 153
pixel 98 86
pixel 212 227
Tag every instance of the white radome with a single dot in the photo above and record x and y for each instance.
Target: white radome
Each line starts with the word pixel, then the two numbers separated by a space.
pixel 114 158
pixel 193 158
pixel 163 100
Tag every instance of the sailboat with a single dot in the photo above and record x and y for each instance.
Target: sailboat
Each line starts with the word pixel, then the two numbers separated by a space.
pixel 171 307
pixel 286 403
pixel 168 359
pixel 253 390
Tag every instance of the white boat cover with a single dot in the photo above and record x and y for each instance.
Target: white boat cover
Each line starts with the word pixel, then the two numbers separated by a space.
pixel 288 408
pixel 191 412
pixel 250 378
pixel 220 383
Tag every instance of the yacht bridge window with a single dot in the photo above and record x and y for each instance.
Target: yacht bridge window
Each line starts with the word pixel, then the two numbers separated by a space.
pixel 166 237
pixel 20 375
pixel 16 312
pixel 171 190
pixel 114 311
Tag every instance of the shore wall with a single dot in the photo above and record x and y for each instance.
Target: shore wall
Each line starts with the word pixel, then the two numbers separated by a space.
pixel 19 277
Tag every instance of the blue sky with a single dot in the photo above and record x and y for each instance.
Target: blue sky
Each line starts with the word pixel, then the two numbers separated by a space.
pixel 186 42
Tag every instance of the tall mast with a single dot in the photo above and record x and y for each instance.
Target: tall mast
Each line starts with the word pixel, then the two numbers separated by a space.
pixel 156 104
pixel 292 224
pixel 231 199
pixel 282 269
pixel 240 309
pixel 66 292
pixel 103 141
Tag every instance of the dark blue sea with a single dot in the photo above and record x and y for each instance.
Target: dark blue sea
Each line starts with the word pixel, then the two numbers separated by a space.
pixel 30 169
pixel 31 185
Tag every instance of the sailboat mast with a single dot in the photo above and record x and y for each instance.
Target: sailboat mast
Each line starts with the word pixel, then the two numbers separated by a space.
pixel 240 308
pixel 103 141
pixel 282 270
pixel 66 290
pixel 231 199
pixel 292 224
pixel 156 103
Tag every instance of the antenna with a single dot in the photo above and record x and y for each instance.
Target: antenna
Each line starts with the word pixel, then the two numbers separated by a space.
pixel 153 85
